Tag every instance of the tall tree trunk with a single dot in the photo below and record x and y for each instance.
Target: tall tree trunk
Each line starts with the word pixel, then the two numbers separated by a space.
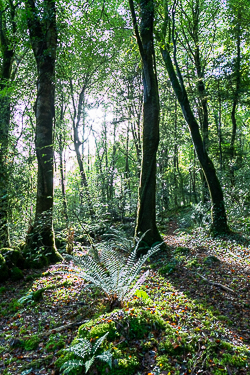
pixel 7 53
pixel 217 119
pixel 146 214
pixel 219 218
pixel 175 156
pixel 61 144
pixel 235 98
pixel 62 170
pixel 43 37
pixel 111 172
pixel 203 108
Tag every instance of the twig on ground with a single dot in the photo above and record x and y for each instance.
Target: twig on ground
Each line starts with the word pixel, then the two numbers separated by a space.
pixel 217 284
pixel 61 328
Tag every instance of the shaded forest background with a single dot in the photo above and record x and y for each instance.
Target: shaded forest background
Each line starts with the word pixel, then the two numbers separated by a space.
pixel 96 95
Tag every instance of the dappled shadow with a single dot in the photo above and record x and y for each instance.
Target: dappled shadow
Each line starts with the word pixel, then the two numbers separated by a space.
pixel 237 238
pixel 233 307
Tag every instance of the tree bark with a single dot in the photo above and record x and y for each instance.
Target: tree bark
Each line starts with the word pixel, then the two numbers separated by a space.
pixel 219 218
pixel 146 214
pixel 7 57
pixel 78 115
pixel 235 98
pixel 43 37
pixel 61 144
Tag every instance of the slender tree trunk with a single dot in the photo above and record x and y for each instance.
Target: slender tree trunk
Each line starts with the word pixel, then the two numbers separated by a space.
pixel 43 36
pixel 219 218
pixel 175 157
pixel 78 116
pixel 203 109
pixel 111 172
pixel 235 100
pixel 62 170
pixel 100 173
pixel 146 214
pixel 127 174
pixel 61 144
pixel 218 126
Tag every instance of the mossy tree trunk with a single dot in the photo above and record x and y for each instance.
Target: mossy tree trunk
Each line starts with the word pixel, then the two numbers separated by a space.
pixel 43 37
pixel 146 214
pixel 7 56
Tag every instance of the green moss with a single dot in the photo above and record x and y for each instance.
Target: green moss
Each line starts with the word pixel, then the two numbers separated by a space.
pixel 92 330
pixel 182 250
pixel 32 343
pixel 193 263
pixel 38 294
pixel 4 271
pixel 60 243
pixel 168 269
pixel 133 324
pixel 13 257
pixel 163 361
pixel 35 276
pixel 55 342
pixel 2 289
pixel 16 274
pixel 211 259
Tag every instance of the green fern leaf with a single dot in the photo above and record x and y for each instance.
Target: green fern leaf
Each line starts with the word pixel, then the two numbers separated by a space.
pixel 98 343
pixel 115 274
pixel 106 357
pixel 68 366
pixel 81 349
pixel 89 363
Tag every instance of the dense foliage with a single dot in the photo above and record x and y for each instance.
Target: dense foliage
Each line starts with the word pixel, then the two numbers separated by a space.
pixel 97 137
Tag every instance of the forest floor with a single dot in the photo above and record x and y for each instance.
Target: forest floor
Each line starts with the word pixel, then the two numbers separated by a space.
pixel 199 291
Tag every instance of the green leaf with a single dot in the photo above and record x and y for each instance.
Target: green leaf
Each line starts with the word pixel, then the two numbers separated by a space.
pixel 89 363
pixel 106 357
pixel 70 365
pixel 99 342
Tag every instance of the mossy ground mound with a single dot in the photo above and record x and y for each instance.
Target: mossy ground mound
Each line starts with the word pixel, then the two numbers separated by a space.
pixel 11 262
pixel 4 271
pixel 137 335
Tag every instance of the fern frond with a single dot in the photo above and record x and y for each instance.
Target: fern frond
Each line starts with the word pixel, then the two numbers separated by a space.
pixel 89 363
pixel 99 343
pixel 68 366
pixel 115 274
pixel 106 357
pixel 117 238
pixel 81 348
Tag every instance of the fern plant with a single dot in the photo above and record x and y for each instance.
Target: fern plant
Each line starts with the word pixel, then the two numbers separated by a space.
pixel 118 239
pixel 83 349
pixel 113 274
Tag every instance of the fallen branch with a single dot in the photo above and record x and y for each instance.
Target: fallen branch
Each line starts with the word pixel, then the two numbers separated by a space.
pixel 61 328
pixel 217 284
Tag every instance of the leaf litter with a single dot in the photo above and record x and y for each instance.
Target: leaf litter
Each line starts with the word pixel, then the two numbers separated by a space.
pixel 197 312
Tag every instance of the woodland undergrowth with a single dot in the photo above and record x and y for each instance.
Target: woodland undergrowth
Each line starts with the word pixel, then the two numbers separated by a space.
pixel 190 316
